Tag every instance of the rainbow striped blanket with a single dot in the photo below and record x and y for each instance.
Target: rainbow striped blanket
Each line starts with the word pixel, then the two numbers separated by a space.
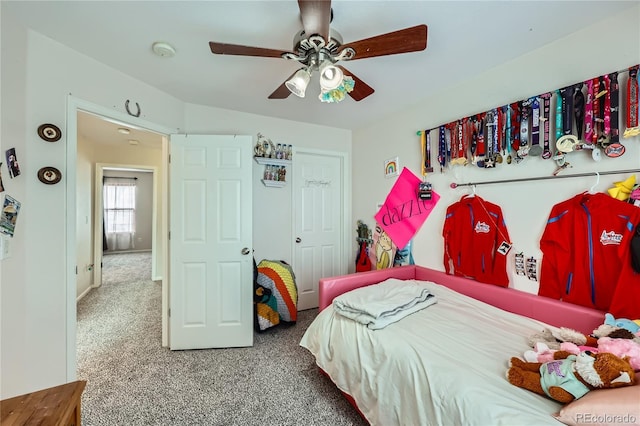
pixel 275 295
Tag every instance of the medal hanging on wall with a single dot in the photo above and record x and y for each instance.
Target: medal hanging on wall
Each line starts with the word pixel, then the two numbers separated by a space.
pixel 497 157
pixel 559 158
pixel 611 149
pixel 489 162
pixel 523 150
pixel 588 113
pixel 578 109
pixel 536 149
pixel 632 103
pixel 567 142
pixel 515 133
pixel 460 151
pixel 546 126
pixel 442 149
pixel 481 147
pixel 424 188
pixel 508 134
pixel 615 148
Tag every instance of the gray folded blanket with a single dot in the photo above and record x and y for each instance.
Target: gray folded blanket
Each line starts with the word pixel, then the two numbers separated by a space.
pixel 379 305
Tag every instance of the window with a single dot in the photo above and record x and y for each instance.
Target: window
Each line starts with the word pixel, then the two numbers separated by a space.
pixel 120 212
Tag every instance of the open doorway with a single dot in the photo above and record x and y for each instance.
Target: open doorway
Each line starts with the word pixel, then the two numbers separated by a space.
pixel 80 178
pixel 131 159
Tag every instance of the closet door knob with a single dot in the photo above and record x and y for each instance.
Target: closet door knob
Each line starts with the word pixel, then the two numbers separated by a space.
pixel 245 251
pixel 298 240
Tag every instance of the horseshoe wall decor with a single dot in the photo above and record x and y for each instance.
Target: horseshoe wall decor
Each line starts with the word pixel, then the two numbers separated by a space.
pixel 126 106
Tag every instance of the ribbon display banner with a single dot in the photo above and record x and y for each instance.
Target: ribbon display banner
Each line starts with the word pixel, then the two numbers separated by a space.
pixel 403 213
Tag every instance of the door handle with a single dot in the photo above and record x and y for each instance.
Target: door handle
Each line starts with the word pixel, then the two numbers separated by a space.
pixel 298 240
pixel 245 251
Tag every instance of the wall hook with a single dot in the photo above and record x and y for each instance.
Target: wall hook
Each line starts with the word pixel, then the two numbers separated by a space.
pixel 126 106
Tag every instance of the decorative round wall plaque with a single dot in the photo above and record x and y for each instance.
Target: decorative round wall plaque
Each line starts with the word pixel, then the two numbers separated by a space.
pixel 49 132
pixel 49 175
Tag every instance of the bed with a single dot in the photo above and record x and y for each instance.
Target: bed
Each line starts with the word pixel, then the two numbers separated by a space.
pixel 443 365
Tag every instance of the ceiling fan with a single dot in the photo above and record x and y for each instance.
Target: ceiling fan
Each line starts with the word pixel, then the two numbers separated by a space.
pixel 317 47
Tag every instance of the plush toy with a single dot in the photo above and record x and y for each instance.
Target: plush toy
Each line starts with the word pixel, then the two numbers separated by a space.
pixel 545 337
pixel 542 353
pixel 625 323
pixel 570 377
pixel 622 348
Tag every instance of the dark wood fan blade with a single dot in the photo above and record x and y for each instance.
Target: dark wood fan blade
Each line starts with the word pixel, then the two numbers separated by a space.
pixel 236 49
pixel 282 92
pixel 360 89
pixel 403 41
pixel 316 16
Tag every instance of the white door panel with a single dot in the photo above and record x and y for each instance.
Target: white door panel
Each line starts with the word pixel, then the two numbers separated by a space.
pixel 318 203
pixel 211 276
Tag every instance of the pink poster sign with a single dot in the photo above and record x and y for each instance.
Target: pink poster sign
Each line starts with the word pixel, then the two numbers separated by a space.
pixel 403 213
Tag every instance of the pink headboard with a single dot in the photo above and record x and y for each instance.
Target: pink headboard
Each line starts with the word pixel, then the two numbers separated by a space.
pixel 550 311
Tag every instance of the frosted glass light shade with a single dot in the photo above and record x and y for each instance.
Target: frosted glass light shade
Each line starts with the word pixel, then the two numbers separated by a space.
pixel 299 82
pixel 330 76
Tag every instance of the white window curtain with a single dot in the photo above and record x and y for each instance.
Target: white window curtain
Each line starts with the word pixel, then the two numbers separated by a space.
pixel 119 213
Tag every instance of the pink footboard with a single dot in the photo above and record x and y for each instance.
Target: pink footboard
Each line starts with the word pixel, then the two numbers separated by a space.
pixel 550 311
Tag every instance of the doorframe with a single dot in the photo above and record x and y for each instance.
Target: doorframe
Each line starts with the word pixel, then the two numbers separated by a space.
pixel 345 174
pixel 74 105
pixel 98 217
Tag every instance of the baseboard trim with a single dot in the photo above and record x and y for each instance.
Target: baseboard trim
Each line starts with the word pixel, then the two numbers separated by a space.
pixel 84 293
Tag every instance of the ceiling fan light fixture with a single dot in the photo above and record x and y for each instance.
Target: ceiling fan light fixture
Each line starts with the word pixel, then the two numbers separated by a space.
pixel 331 77
pixel 299 82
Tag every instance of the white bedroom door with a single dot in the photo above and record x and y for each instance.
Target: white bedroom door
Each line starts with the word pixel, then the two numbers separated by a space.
pixel 318 222
pixel 210 245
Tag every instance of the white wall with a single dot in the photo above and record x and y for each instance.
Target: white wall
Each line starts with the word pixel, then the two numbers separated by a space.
pixel 608 46
pixel 36 83
pixel 272 209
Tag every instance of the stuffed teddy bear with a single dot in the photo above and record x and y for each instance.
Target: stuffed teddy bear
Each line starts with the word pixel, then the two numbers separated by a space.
pixel 570 377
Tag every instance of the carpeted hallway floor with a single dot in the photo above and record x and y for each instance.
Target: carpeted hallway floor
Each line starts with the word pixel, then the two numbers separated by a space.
pixel 133 380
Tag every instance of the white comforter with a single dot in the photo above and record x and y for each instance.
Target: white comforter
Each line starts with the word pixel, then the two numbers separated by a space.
pixel 377 306
pixel 444 365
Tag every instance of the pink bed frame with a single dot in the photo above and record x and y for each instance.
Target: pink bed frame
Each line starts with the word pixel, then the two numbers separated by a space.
pixel 550 311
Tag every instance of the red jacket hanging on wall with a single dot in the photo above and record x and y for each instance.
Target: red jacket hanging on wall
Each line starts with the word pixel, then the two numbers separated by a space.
pixel 586 254
pixel 473 231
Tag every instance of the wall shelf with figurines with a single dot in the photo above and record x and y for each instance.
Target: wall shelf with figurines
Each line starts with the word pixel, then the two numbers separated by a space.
pixel 275 158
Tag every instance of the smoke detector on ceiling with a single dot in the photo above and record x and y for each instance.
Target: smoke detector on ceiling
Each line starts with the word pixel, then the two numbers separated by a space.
pixel 163 49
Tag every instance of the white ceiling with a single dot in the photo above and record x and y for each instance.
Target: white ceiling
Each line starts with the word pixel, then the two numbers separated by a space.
pixel 464 38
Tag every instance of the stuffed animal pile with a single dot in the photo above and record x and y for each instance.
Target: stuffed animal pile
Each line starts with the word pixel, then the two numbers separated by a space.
pixel 620 337
pixel 570 376
pixel 565 364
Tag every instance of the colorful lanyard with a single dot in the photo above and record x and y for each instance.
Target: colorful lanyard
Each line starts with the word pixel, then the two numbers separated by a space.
pixel 508 133
pixel 606 81
pixel 578 109
pixel 614 108
pixel 559 108
pixel 588 113
pixel 546 108
pixel 595 107
pixel 632 99
pixel 442 148
pixel 425 140
pixel 535 149
pixel 515 122
pixel 490 128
